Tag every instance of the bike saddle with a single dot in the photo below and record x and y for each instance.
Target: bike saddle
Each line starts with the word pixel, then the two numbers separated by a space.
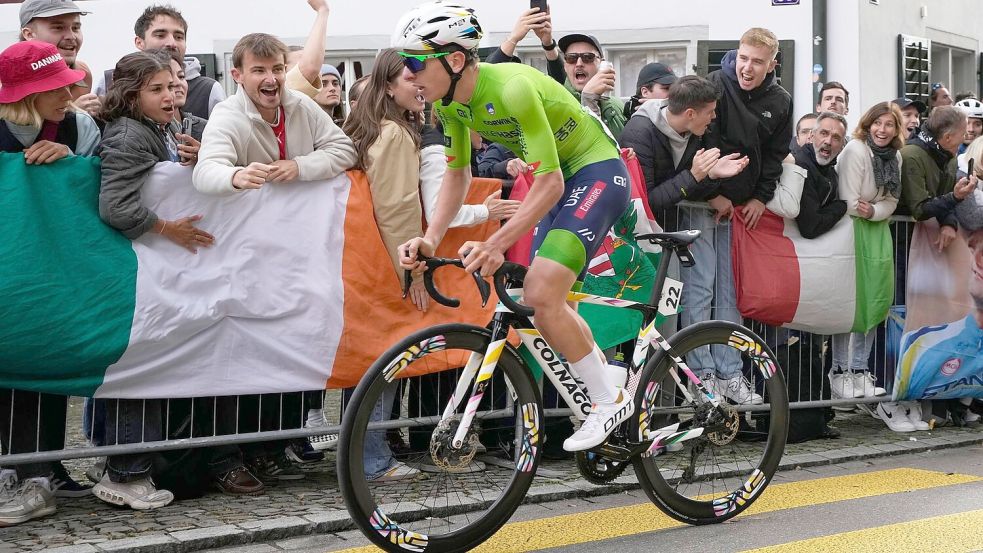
pixel 671 239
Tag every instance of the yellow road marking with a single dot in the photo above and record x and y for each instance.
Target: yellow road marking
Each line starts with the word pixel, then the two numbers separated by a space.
pixel 616 522
pixel 951 533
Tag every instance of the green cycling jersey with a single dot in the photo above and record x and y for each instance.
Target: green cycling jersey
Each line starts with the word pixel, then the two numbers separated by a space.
pixel 526 111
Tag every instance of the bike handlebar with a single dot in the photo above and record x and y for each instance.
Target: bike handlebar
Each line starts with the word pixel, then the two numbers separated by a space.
pixel 507 272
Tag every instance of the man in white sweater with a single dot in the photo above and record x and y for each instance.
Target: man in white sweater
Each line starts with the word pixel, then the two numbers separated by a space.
pixel 266 133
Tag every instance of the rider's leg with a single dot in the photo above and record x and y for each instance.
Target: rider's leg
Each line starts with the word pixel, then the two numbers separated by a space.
pixel 545 290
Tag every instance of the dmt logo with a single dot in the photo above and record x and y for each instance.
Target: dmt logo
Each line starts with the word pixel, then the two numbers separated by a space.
pixel 619 416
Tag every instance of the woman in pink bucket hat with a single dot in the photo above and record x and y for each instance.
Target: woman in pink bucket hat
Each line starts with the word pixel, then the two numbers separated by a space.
pixel 37 119
pixel 36 113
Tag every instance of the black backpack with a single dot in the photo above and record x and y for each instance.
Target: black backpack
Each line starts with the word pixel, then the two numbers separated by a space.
pixel 803 361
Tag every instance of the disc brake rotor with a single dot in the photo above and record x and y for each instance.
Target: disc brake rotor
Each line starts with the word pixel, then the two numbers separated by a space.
pixel 442 451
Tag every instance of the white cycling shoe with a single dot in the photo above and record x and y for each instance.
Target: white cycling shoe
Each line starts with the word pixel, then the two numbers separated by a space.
pixel 602 420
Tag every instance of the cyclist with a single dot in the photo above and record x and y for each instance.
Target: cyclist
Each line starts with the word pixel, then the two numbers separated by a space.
pixel 580 184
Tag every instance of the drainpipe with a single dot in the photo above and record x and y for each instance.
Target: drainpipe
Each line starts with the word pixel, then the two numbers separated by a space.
pixel 820 71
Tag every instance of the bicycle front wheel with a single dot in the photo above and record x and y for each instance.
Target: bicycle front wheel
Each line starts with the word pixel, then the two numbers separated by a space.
pixel 405 484
pixel 718 474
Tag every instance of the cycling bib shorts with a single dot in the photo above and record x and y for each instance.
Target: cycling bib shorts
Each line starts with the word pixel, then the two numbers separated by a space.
pixel 593 199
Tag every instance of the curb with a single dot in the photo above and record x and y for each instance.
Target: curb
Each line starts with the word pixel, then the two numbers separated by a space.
pixel 261 531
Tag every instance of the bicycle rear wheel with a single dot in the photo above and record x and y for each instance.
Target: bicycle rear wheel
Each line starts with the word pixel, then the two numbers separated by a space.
pixel 456 501
pixel 719 474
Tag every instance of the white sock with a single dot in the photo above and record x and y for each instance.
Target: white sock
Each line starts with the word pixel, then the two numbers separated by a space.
pixel 592 369
pixel 315 417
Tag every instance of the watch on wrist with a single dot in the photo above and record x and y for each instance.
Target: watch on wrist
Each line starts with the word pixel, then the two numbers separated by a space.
pixel 549 46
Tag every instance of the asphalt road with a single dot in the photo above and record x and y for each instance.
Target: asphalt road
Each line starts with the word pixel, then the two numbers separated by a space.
pixel 918 502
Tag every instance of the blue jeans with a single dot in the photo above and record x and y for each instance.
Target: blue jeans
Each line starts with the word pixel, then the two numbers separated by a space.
pixel 708 291
pixel 851 350
pixel 377 457
pixel 130 421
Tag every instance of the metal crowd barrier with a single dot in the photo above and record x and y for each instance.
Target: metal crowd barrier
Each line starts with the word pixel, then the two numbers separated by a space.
pixel 184 426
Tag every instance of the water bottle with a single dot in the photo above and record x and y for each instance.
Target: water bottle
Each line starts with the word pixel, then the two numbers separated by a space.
pixel 604 66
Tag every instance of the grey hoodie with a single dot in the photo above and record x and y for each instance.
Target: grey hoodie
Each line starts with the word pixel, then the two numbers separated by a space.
pixel 655 110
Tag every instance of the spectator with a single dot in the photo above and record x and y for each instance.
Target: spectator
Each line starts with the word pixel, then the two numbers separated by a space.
pixel 494 162
pixel 387 140
pixel 929 171
pixel 267 133
pixel 36 119
pixel 356 91
pixel 803 132
pixel 581 58
pixel 939 97
pixel 834 97
pixel 304 63
pixel 60 23
pixel 181 96
pixel 329 98
pixel 165 27
pixel 653 84
pixel 870 183
pixel 965 95
pixel 753 118
pixel 820 207
pixel 541 24
pixel 911 113
pixel 667 136
pixel 973 109
pixel 140 132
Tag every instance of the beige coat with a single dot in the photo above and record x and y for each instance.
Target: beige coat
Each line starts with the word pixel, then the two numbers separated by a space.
pixel 237 135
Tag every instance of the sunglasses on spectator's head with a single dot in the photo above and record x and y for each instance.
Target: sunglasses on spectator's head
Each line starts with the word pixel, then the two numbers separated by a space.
pixel 588 57
pixel 936 86
pixel 416 62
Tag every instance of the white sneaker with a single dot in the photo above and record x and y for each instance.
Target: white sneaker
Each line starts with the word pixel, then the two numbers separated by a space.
pixel 138 494
pixel 397 471
pixel 864 384
pixel 895 416
pixel 602 420
pixel 841 386
pixel 970 416
pixel 8 485
pixel 915 415
pixel 315 419
pixel 32 499
pixel 737 389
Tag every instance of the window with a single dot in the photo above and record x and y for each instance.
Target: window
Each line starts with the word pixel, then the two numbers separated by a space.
pixel 914 63
pixel 628 63
pixel 711 52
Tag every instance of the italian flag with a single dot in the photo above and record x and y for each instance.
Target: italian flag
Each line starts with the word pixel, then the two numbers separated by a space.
pixel 298 292
pixel 841 281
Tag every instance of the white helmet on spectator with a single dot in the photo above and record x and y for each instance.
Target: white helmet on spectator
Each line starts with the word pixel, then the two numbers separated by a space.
pixel 972 107
pixel 436 25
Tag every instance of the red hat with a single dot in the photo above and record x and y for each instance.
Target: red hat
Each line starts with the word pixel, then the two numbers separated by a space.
pixel 33 66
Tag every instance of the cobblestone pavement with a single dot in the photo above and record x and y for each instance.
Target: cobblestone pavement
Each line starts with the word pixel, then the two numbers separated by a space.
pixel 314 505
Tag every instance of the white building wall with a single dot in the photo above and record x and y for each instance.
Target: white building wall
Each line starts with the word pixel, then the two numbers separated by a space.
pixel 365 26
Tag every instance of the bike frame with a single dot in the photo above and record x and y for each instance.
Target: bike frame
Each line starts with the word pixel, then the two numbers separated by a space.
pixel 563 377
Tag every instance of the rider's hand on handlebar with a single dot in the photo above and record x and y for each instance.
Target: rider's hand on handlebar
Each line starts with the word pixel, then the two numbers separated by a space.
pixel 407 253
pixel 481 256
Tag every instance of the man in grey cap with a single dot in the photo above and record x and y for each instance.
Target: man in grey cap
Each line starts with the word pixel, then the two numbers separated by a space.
pixel 59 22
pixel 329 98
pixel 653 84
pixel 589 82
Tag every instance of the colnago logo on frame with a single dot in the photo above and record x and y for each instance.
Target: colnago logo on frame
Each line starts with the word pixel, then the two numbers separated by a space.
pixel 562 374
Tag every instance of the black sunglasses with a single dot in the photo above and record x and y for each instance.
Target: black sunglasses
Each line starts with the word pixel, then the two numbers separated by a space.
pixel 588 57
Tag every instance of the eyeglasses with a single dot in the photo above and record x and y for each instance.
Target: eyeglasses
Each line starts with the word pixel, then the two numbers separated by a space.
pixel 417 62
pixel 588 57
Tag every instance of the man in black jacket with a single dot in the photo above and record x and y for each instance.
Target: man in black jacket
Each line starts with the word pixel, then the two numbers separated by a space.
pixel 667 136
pixel 754 118
pixel 820 207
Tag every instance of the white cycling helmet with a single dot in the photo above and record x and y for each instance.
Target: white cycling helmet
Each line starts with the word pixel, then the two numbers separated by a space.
pixel 972 107
pixel 435 25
